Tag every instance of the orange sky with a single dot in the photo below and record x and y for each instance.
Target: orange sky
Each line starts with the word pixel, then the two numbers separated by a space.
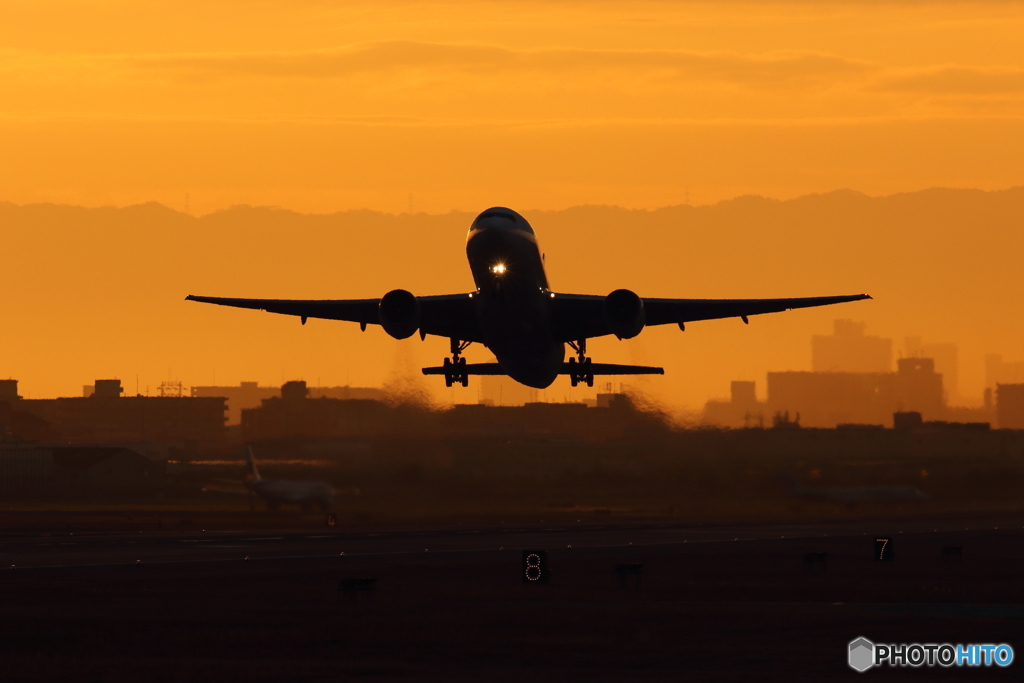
pixel 322 107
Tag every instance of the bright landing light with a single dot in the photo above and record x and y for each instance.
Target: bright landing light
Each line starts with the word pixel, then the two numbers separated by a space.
pixel 498 269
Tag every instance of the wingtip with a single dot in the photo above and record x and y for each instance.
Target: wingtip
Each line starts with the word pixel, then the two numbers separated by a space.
pixel 868 296
pixel 190 298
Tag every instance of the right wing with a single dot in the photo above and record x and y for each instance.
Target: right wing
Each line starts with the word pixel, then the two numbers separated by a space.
pixel 581 316
pixel 448 315
pixel 666 311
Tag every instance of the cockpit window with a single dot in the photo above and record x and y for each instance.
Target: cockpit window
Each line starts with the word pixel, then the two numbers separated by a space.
pixel 518 222
pixel 498 214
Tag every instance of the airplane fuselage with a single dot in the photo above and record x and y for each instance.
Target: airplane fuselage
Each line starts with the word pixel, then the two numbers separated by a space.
pixel 302 493
pixel 277 492
pixel 513 301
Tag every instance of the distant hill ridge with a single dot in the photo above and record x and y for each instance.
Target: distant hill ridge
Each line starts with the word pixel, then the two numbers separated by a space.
pixel 840 196
pixel 941 263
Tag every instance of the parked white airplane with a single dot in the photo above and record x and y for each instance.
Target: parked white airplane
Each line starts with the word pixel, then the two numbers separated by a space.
pixel 278 492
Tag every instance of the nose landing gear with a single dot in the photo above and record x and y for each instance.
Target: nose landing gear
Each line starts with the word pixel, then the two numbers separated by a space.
pixel 579 370
pixel 455 367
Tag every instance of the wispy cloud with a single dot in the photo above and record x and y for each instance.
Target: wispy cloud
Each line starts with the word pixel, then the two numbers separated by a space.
pixel 454 81
pixel 395 57
pixel 956 80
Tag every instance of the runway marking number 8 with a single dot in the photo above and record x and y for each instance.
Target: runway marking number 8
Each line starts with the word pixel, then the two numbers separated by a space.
pixel 533 570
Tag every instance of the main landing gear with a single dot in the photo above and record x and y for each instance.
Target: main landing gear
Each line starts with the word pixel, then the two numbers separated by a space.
pixel 579 370
pixel 455 367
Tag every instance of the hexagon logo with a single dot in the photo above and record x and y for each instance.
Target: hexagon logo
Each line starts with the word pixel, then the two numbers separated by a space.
pixel 862 654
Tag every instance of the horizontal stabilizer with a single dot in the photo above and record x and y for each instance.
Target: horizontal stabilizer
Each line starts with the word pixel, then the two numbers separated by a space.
pixel 468 369
pixel 567 369
pixel 611 369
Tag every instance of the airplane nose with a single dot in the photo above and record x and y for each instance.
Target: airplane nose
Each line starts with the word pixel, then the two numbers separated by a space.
pixel 498 220
pixel 498 214
pixel 494 219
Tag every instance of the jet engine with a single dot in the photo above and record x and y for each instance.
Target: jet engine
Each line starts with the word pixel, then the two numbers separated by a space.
pixel 624 311
pixel 399 313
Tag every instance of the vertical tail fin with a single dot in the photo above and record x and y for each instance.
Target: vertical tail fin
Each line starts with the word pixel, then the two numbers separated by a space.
pixel 252 472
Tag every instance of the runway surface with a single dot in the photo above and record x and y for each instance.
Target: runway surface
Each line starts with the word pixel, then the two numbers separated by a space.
pixel 92 548
pixel 704 603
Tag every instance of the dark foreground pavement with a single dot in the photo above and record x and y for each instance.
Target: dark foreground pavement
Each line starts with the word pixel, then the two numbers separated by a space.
pixel 450 604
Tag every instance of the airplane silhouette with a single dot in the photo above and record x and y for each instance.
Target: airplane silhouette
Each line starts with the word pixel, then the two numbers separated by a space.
pixel 278 492
pixel 514 314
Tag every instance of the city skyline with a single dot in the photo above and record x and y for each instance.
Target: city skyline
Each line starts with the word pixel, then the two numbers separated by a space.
pixel 938 264
pixel 489 390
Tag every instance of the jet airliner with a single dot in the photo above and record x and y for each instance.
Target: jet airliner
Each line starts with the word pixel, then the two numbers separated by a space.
pixel 278 492
pixel 514 313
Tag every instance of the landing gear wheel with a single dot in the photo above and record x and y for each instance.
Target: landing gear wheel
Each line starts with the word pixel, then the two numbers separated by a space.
pixel 455 370
pixel 579 370
pixel 455 367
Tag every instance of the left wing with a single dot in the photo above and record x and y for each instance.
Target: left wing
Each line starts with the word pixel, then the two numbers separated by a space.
pixel 581 316
pixel 448 315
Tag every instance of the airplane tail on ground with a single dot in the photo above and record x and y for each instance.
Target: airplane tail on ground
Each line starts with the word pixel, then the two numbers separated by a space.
pixel 250 462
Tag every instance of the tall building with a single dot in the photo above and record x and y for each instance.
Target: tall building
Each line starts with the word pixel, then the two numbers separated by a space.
pixel 1010 406
pixel 997 371
pixel 294 414
pixel 108 416
pixel 826 399
pixel 741 410
pixel 249 395
pixel 9 390
pixel 245 395
pixel 946 359
pixel 919 388
pixel 848 349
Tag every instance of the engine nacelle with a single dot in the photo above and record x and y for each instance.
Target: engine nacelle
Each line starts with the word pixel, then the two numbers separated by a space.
pixel 399 313
pixel 624 311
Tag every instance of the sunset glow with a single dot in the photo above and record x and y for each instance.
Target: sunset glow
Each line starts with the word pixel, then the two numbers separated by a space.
pixel 434 108
pixel 440 106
